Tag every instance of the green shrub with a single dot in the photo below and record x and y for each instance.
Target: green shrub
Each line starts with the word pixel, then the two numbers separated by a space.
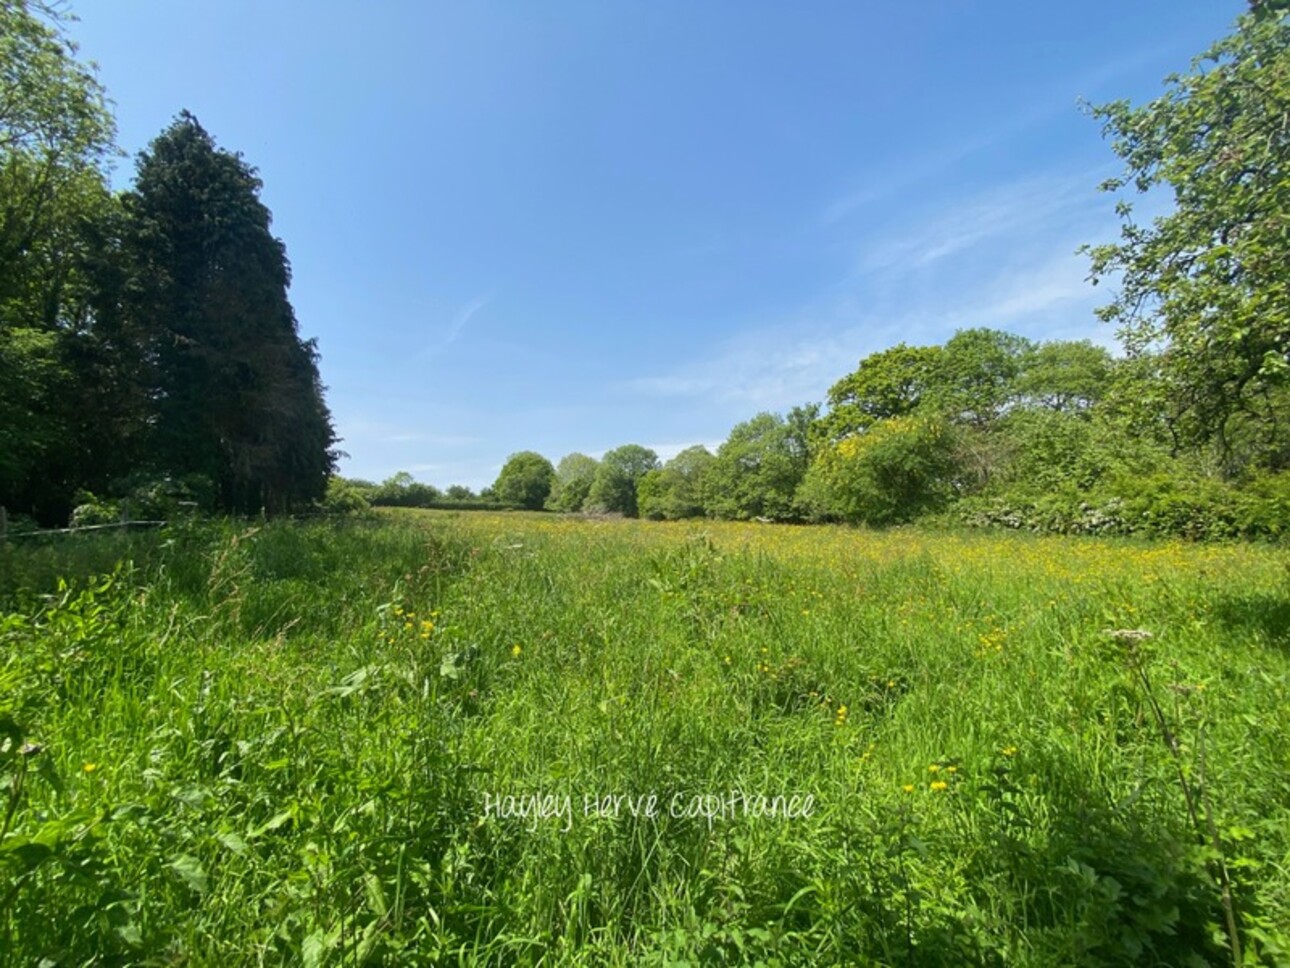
pixel 896 470
pixel 344 497
pixel 1162 505
pixel 91 510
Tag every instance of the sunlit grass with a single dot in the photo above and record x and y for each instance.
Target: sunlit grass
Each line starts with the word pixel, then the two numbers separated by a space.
pixel 283 743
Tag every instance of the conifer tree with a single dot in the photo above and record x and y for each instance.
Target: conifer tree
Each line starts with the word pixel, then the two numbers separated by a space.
pixel 238 396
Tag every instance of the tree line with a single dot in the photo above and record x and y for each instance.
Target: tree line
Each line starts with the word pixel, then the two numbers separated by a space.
pixel 988 428
pixel 1186 432
pixel 148 349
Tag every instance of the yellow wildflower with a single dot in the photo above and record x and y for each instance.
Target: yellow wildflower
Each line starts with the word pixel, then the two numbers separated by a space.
pixel 89 767
pixel 516 650
pixel 939 785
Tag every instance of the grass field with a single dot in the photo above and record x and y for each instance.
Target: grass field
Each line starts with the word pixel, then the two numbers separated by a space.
pixel 352 742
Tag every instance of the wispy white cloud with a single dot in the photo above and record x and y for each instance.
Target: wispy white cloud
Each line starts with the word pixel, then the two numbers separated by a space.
pixel 1063 98
pixel 464 316
pixel 439 440
pixel 383 432
pixel 1005 258
pixel 667 451
pixel 1016 210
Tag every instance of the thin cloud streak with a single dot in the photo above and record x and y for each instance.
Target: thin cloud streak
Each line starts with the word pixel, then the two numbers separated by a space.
pixel 1006 258
pixel 1015 210
pixel 1049 107
pixel 464 316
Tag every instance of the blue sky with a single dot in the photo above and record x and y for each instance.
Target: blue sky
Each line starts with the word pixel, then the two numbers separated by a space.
pixel 568 226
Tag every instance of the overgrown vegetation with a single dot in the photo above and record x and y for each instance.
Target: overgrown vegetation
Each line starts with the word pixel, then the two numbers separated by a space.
pixel 280 743
pixel 145 336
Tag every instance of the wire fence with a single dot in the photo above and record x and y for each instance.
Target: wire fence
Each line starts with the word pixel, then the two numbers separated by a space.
pixel 125 522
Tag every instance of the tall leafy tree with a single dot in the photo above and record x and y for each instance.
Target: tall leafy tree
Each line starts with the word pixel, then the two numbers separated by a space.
pixel 1205 286
pixel 889 383
pixel 619 473
pixel 757 469
pixel 525 480
pixel 574 476
pixel 975 375
pixel 238 394
pixel 677 489
pixel 1069 376
pixel 56 136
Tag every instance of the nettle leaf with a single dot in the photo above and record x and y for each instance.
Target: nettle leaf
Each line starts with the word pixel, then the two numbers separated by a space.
pixel 313 950
pixel 356 681
pixel 449 667
pixel 190 872
pixel 279 820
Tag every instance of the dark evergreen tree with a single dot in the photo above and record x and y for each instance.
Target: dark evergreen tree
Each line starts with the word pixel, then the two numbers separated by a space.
pixel 237 394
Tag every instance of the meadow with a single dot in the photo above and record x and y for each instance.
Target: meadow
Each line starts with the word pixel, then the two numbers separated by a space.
pixel 438 738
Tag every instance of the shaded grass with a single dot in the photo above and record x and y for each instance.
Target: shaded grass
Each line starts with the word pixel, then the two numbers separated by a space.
pixel 277 744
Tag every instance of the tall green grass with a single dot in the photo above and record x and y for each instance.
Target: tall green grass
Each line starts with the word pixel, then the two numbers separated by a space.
pixel 285 744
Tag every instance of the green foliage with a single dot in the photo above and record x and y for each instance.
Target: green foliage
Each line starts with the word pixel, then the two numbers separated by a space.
pixel 758 468
pixel 283 739
pixel 1054 449
pixel 402 490
pixel 1066 376
pixel 890 383
pixel 55 138
pixel 525 480
pixel 344 497
pixel 677 489
pixel 1205 284
pixel 91 510
pixel 897 469
pixel 574 476
pixel 1170 502
pixel 239 399
pixel 53 107
pixel 613 489
pixel 976 374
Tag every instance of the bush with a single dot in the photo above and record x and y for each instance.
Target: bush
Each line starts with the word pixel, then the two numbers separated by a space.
pixel 525 480
pixel 403 491
pixel 344 497
pixel 91 510
pixel 896 470
pixel 1163 505
pixel 1263 506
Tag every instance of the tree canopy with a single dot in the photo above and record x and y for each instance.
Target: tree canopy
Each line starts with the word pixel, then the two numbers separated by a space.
pixel 613 489
pixel 758 468
pixel 574 476
pixel 678 489
pixel 239 399
pixel 1205 285
pixel 525 480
